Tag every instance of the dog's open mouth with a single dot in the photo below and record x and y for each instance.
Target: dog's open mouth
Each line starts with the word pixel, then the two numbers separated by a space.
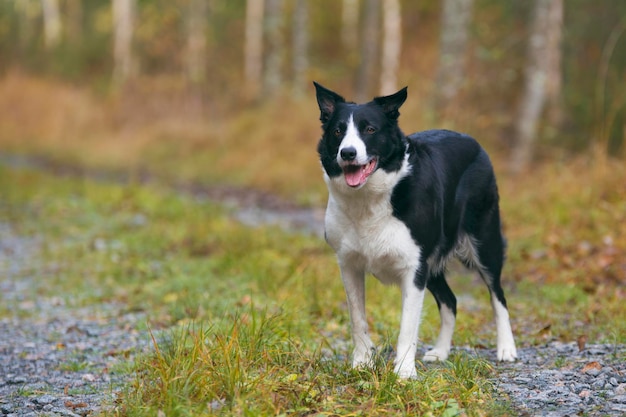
pixel 356 175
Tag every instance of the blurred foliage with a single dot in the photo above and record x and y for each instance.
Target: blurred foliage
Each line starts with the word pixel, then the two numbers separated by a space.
pixel 594 83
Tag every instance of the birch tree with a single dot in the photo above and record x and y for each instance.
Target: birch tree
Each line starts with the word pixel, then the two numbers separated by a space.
pixel 454 34
pixel 349 24
pixel 51 23
pixel 123 22
pixel 554 63
pixel 74 20
pixel 540 53
pixel 300 55
pixel 196 54
pixel 253 50
pixel 274 21
pixel 392 46
pixel 28 12
pixel 369 51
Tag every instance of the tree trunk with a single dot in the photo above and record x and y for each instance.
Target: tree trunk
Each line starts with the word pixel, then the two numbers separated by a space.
pixel 392 46
pixel 349 25
pixel 534 95
pixel 196 42
pixel 74 21
pixel 300 63
pixel 274 21
pixel 51 23
pixel 454 34
pixel 366 74
pixel 253 59
pixel 28 13
pixel 123 22
pixel 554 72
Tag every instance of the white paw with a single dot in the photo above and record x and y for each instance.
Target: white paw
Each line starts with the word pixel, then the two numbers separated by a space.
pixel 435 355
pixel 405 371
pixel 507 353
pixel 363 358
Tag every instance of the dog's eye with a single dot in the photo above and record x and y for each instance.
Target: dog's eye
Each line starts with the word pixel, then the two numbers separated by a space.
pixel 370 130
pixel 337 132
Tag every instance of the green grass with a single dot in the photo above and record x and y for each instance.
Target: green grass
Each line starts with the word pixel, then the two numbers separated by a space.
pixel 253 321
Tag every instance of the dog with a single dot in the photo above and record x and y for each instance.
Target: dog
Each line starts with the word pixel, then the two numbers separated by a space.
pixel 400 207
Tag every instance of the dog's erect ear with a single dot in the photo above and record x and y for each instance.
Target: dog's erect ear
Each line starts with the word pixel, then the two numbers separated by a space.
pixel 327 100
pixel 392 103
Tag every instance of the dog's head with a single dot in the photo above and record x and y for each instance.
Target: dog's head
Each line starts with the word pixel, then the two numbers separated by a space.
pixel 359 139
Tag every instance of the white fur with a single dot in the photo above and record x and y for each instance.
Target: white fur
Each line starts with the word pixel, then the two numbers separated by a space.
pixel 366 237
pixel 352 138
pixel 442 348
pixel 506 350
pixel 465 249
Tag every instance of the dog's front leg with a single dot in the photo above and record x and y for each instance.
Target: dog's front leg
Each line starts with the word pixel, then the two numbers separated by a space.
pixel 354 284
pixel 412 300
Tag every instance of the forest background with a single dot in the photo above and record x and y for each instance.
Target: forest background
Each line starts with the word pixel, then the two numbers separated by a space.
pixel 532 80
pixel 212 95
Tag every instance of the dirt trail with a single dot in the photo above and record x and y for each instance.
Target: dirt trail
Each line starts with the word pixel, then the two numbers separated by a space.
pixel 250 206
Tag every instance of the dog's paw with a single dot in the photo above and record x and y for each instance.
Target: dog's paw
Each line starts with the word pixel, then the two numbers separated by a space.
pixel 507 353
pixel 405 371
pixel 363 358
pixel 435 355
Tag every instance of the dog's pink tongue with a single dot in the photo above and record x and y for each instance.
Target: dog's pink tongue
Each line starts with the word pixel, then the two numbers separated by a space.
pixel 355 176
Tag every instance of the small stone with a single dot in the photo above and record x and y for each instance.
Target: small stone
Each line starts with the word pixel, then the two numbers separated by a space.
pixel 620 399
pixel 621 389
pixel 216 405
pixel 88 377
pixel 592 368
pixel 62 411
pixel 45 399
pixel 597 384
pixel 17 380
pixel 613 381
pixel 578 388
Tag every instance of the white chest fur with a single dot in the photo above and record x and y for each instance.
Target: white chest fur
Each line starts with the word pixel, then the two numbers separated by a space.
pixel 362 230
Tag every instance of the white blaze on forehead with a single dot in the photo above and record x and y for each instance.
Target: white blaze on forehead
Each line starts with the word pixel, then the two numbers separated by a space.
pixel 352 139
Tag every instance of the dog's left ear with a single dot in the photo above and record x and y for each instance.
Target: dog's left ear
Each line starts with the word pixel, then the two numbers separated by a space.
pixel 327 101
pixel 391 104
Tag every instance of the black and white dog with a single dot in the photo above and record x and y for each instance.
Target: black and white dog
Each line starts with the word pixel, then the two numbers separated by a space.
pixel 399 207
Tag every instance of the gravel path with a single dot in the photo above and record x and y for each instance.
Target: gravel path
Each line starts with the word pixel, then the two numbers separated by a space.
pixel 559 380
pixel 58 361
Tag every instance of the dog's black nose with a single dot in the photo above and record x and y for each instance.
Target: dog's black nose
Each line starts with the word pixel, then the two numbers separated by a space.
pixel 348 154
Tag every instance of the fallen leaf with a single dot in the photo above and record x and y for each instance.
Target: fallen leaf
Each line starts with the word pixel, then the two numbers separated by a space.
pixel 70 404
pixel 545 330
pixel 590 366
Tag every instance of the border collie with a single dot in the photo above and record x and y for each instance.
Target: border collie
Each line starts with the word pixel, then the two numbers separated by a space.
pixel 400 207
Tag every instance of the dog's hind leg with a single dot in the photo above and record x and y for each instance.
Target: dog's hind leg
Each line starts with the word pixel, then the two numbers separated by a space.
pixel 446 302
pixel 490 250
pixel 354 285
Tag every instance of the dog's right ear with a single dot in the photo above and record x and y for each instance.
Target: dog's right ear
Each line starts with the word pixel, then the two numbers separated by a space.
pixel 327 101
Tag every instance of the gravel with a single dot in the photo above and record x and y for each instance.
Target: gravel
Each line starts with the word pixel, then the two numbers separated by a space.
pixel 559 379
pixel 56 360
